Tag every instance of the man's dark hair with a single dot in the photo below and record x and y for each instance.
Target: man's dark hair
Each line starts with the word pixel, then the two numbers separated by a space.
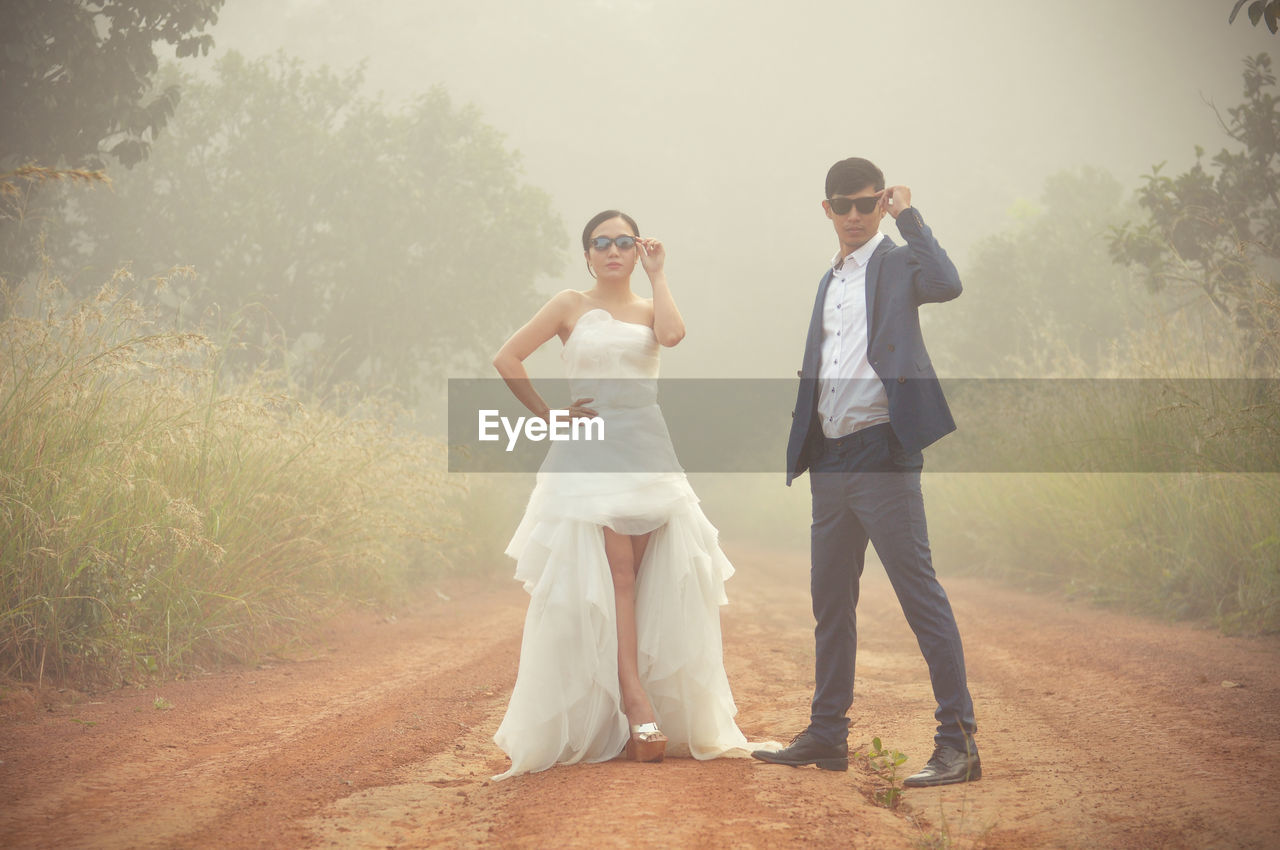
pixel 853 175
pixel 600 218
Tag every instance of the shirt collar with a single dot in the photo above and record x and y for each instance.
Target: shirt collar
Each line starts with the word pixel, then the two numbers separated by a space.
pixel 860 256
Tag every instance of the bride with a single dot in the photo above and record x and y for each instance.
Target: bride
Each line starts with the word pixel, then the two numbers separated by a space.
pixel 621 650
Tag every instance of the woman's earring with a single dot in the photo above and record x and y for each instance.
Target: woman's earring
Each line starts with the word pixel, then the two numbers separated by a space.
pixel 590 270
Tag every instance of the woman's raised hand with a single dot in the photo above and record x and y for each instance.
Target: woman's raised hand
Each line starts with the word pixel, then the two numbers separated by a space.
pixel 652 255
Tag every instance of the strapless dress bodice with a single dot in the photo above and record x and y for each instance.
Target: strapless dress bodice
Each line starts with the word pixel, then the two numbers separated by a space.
pixel 612 362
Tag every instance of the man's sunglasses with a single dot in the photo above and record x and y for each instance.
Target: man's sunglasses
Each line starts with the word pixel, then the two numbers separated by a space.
pixel 841 206
pixel 624 242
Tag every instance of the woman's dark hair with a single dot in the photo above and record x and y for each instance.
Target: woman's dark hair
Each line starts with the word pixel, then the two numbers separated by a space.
pixel 598 218
pixel 853 175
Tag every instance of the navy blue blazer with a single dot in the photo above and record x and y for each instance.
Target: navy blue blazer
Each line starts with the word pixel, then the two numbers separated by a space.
pixel 899 279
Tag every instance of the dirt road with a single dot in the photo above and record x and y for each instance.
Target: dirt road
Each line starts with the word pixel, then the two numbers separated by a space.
pixel 1096 729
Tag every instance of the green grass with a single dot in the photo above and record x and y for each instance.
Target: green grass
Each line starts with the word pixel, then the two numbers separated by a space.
pixel 884 764
pixel 154 516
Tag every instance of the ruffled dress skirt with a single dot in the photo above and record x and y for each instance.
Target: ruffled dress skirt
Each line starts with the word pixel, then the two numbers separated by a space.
pixel 566 703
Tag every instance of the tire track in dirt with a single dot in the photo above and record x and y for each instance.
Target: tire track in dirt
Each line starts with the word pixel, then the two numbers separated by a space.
pixel 1096 730
pixel 242 757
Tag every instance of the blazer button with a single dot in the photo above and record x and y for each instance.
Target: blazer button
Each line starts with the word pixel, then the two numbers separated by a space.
pixel 902 380
pixel 793 414
pixel 799 374
pixel 890 348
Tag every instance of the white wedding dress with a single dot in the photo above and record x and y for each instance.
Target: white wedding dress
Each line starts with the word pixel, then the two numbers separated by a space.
pixel 566 704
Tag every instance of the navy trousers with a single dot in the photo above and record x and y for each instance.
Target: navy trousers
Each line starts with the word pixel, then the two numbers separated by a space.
pixel 867 488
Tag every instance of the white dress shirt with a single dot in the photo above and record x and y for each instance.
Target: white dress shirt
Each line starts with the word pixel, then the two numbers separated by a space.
pixel 850 394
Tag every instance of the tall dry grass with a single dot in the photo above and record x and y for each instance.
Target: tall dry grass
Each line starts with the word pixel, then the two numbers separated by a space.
pixel 154 516
pixel 1189 543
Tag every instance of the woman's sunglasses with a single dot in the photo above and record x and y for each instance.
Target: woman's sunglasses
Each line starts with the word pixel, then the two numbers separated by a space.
pixel 841 206
pixel 624 242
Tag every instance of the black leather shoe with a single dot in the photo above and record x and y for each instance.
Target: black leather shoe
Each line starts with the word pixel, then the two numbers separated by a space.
pixel 806 749
pixel 947 766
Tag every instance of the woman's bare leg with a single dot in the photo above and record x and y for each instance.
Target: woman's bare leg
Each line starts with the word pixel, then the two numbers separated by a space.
pixel 625 554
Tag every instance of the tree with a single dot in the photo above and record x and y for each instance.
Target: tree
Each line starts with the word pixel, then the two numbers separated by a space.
pixel 75 77
pixel 76 91
pixel 384 245
pixel 1043 296
pixel 1259 10
pixel 1216 229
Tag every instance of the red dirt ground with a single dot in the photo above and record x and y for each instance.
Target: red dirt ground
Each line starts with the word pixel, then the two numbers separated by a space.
pixel 1096 730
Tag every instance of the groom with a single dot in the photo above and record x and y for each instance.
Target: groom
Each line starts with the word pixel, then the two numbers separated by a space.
pixel 869 403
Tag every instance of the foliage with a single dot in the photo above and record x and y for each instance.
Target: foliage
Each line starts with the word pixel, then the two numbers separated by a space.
pixel 885 763
pixel 1216 229
pixel 76 90
pixel 1259 10
pixel 1185 544
pixel 153 518
pixel 1182 543
pixel 1179 546
pixel 79 73
pixel 379 243
pixel 1044 293
pixel 22 191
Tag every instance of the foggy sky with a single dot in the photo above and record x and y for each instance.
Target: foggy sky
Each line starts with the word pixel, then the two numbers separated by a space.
pixel 713 123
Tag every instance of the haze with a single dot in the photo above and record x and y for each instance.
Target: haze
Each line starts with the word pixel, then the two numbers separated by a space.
pixel 714 123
